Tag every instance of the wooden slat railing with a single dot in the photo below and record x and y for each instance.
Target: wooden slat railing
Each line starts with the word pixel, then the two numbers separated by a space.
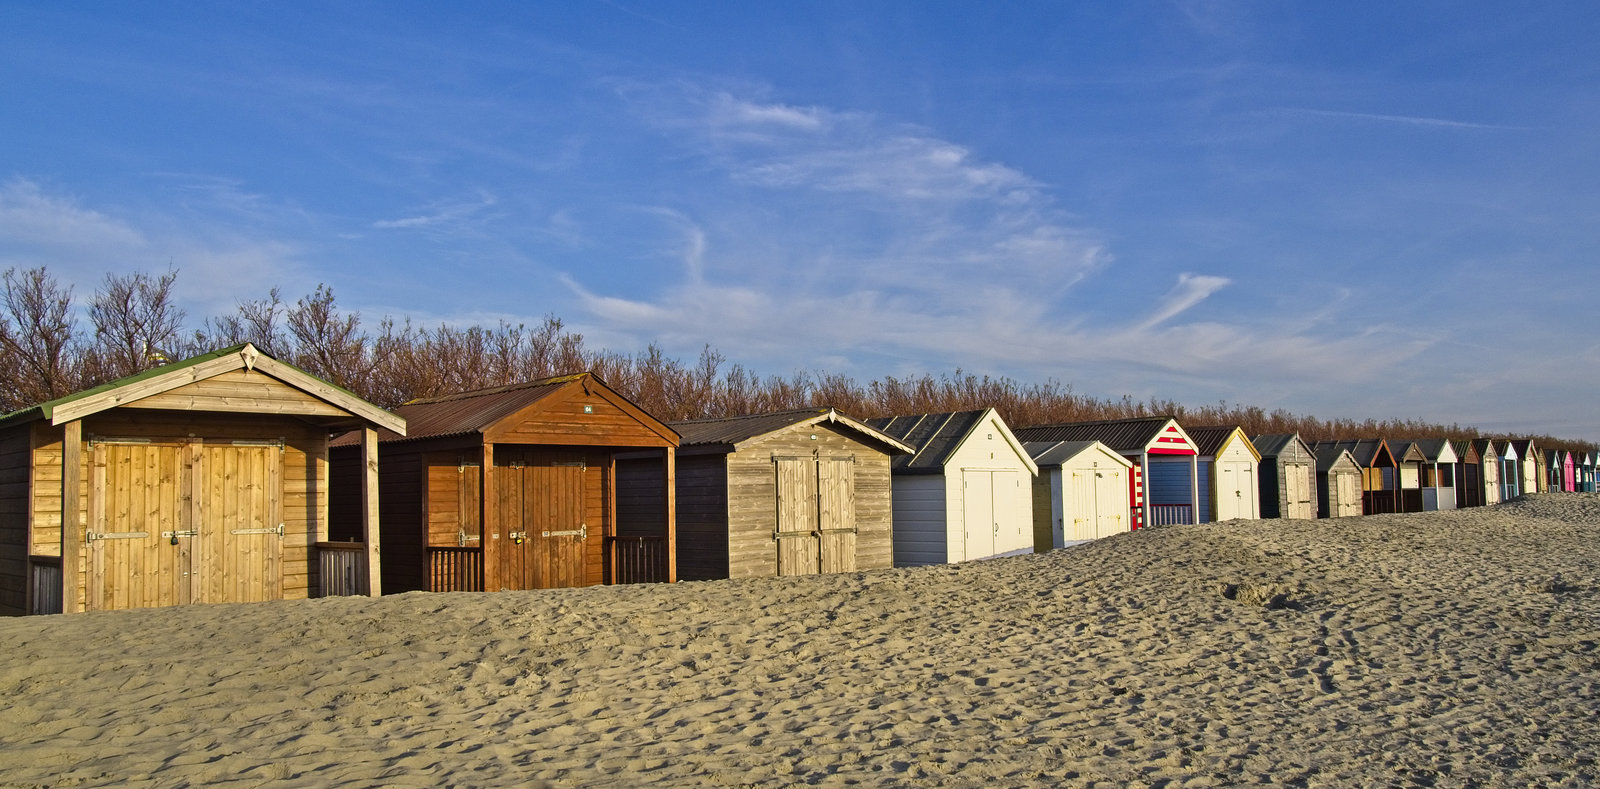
pixel 1167 514
pixel 342 568
pixel 639 560
pixel 455 569
pixel 44 576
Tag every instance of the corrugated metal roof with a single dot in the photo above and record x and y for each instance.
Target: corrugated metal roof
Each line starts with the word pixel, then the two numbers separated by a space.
pixel 1210 439
pixel 734 430
pixel 1056 453
pixel 1486 448
pixel 934 437
pixel 1363 450
pixel 1271 445
pixel 1126 436
pixel 1466 450
pixel 1430 448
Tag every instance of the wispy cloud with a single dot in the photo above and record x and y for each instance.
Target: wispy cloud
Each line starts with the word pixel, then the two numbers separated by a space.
pixel 444 216
pixel 1190 290
pixel 1409 120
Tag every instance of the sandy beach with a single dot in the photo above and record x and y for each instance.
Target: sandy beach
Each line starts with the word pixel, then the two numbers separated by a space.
pixel 1438 649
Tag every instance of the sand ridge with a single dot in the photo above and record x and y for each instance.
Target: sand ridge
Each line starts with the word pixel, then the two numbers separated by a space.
pixel 1437 649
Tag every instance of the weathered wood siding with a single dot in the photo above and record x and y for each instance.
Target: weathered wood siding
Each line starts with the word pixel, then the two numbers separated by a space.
pixel 753 496
pixel 303 486
pixel 14 549
pixel 1289 483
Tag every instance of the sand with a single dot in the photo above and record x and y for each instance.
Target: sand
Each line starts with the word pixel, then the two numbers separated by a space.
pixel 1438 649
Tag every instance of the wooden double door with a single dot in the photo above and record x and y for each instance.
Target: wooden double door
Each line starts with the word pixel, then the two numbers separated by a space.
pixel 542 532
pixel 179 522
pixel 816 518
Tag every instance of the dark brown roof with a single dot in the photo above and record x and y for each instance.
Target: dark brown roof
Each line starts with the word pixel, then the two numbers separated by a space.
pixel 733 430
pixel 1123 435
pixel 466 412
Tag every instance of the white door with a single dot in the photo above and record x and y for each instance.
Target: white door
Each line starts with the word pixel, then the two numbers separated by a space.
pixel 978 511
pixel 1233 480
pixel 1110 502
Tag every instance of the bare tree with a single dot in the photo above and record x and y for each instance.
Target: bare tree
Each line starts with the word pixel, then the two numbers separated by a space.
pixel 38 339
pixel 328 344
pixel 135 322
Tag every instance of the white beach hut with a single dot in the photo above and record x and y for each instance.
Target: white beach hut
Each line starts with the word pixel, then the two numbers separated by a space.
pixel 1081 493
pixel 965 494
pixel 1228 465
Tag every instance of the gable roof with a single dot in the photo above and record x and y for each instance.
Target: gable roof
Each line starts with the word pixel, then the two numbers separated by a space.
pixel 1274 444
pixel 1367 452
pixel 1212 439
pixel 1432 450
pixel 1059 453
pixel 1466 450
pixel 729 433
pixel 936 438
pixel 480 410
pixel 1486 448
pixel 1126 436
pixel 1329 453
pixel 166 378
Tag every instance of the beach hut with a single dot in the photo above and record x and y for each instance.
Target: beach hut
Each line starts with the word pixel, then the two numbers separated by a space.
pixel 1531 466
pixel 1437 472
pixel 1080 494
pixel 796 492
pixel 514 487
pixel 1340 480
pixel 1563 471
pixel 1510 471
pixel 1470 473
pixel 1410 463
pixel 201 481
pixel 965 492
pixel 1379 478
pixel 1586 471
pixel 1490 469
pixel 1164 486
pixel 1288 476
pixel 1227 464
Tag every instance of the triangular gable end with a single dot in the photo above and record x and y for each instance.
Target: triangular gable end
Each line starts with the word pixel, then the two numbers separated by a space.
pixel 206 382
pixel 584 411
pixel 1238 435
pixel 992 418
pixel 832 416
pixel 1171 440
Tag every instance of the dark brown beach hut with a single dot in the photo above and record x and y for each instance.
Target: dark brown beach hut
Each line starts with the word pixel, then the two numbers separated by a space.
pixel 201 481
pixel 545 514
pixel 787 493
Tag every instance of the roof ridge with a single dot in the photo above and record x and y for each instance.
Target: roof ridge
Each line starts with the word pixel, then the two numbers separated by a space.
pixel 492 390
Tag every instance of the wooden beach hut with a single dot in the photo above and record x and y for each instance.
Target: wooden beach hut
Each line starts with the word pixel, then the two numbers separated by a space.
pixel 1470 473
pixel 965 492
pixel 1379 478
pixel 1563 474
pixel 796 492
pixel 1409 465
pixel 1437 477
pixel 1510 471
pixel 1164 486
pixel 1228 466
pixel 1531 465
pixel 1489 462
pixel 1288 478
pixel 201 481
pixel 1080 494
pixel 544 514
pixel 1586 470
pixel 1340 482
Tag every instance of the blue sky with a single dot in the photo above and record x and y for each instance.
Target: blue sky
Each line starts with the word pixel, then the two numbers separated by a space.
pixel 1343 209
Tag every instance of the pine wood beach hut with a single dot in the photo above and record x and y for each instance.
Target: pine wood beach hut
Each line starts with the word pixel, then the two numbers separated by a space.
pixel 544 514
pixel 965 492
pixel 1228 467
pixel 202 481
pixel 1379 478
pixel 1081 493
pixel 1340 482
pixel 1164 486
pixel 1288 476
pixel 796 492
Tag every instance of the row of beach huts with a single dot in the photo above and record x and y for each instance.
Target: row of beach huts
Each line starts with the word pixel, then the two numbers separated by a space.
pixel 233 477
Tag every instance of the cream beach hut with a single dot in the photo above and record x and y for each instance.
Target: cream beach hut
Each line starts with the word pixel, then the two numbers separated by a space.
pixel 1288 476
pixel 964 493
pixel 1227 464
pixel 1438 473
pixel 1081 493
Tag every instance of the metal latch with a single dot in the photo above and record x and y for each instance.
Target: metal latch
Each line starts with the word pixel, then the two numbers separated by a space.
pixel 582 533
pixel 278 531
pixel 116 535
pixel 462 538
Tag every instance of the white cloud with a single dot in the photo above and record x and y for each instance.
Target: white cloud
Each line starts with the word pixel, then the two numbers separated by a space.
pixel 29 216
pixel 446 216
